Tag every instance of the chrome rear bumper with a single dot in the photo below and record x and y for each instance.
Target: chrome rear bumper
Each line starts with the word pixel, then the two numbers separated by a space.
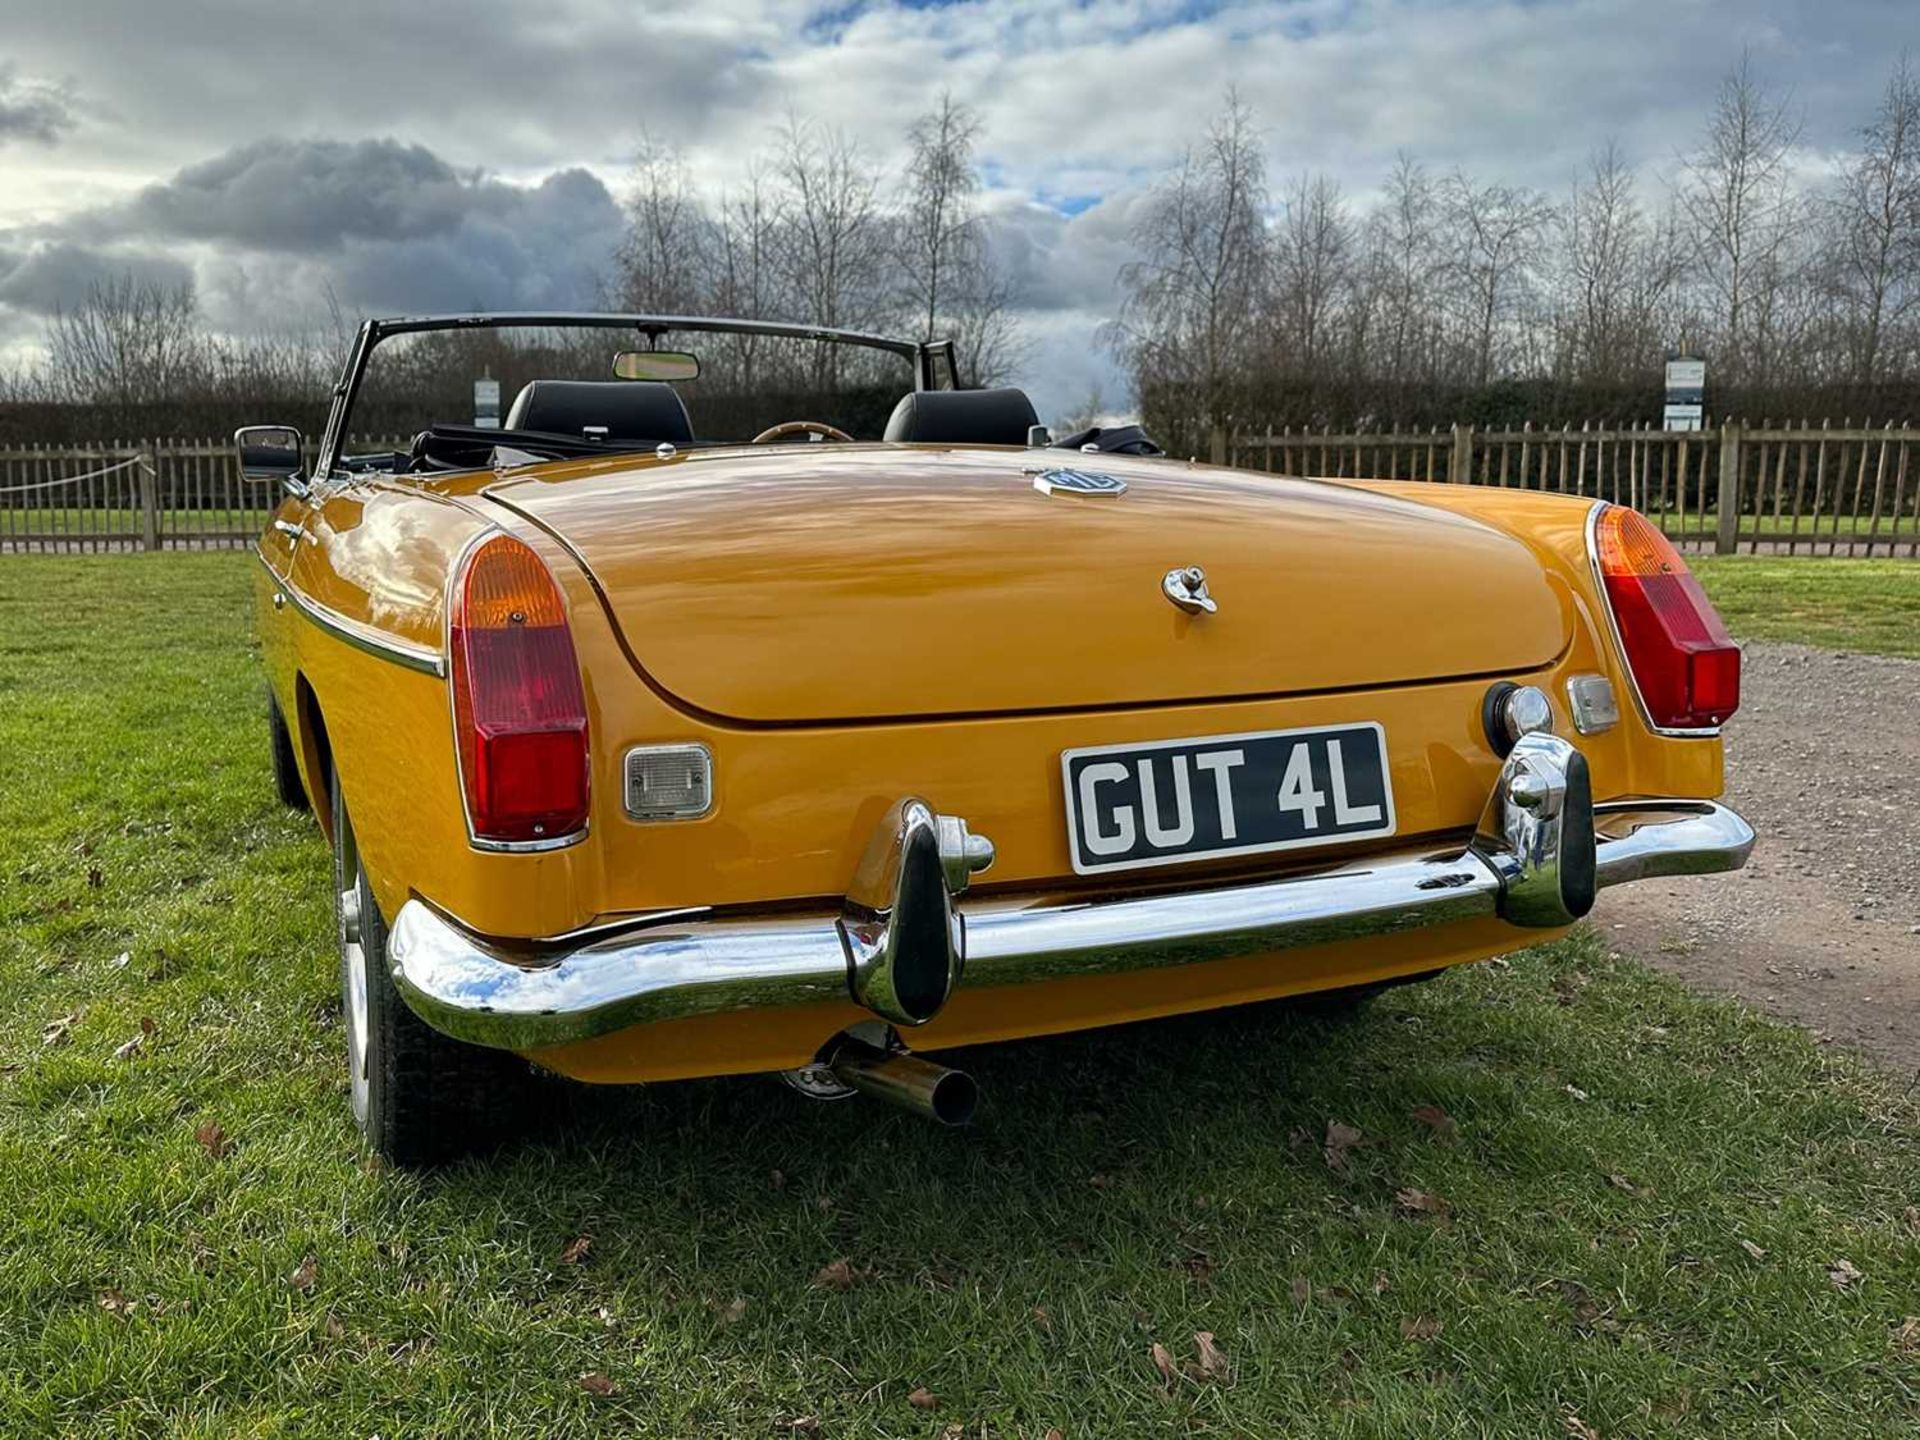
pixel 1541 851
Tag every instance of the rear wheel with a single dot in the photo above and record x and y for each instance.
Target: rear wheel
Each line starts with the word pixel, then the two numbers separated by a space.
pixel 418 1097
pixel 286 768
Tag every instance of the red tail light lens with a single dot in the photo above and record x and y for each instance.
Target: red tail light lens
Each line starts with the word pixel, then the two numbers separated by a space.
pixel 1684 662
pixel 518 710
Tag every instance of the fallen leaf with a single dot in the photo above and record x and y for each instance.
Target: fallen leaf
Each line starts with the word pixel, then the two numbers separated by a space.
pixel 1209 1363
pixel 1912 1216
pixel 804 1425
pixel 1163 1362
pixel 1199 1265
pixel 837 1275
pixel 1043 1317
pixel 1620 1182
pixel 1382 1282
pixel 1420 1202
pixel 304 1275
pixel 778 1179
pixel 213 1139
pixel 1576 1092
pixel 923 1399
pixel 115 1303
pixel 1340 1139
pixel 1436 1120
pixel 1302 1292
pixel 1054 1433
pixel 577 1250
pixel 1577 1428
pixel 1752 1249
pixel 595 1383
pixel 732 1313
pixel 1843 1274
pixel 126 1050
pixel 1100 1182
pixel 607 1318
pixel 148 1025
pixel 1419 1327
pixel 955 1431
pixel 331 1324
pixel 1907 1337
pixel 122 960
pixel 58 1032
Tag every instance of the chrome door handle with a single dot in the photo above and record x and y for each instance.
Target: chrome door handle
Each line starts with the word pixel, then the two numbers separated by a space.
pixel 288 529
pixel 1187 588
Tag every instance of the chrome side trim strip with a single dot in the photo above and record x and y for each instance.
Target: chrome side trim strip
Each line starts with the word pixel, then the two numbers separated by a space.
pixel 675 966
pixel 361 636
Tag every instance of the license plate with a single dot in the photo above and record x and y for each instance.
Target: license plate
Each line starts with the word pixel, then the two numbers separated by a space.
pixel 1170 802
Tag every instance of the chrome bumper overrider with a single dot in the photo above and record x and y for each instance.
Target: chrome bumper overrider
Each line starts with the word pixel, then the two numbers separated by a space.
pixel 902 940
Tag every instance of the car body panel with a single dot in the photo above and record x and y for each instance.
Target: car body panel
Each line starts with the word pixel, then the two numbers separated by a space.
pixel 795 803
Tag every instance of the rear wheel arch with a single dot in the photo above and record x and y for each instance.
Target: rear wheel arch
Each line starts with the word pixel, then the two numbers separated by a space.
pixel 316 750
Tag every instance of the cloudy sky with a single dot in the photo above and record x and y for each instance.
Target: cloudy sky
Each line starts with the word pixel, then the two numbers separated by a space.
pixel 408 155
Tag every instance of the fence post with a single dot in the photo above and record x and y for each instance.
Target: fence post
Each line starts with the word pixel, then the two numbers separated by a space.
pixel 1460 467
pixel 150 498
pixel 1217 444
pixel 1728 537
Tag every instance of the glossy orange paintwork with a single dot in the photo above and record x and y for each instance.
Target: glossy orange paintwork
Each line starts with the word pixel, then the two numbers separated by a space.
pixel 937 584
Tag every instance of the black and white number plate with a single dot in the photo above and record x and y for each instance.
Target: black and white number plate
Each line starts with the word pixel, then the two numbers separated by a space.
pixel 1172 801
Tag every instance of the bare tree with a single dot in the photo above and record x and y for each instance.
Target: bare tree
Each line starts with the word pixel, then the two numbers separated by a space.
pixel 127 343
pixel 1403 274
pixel 665 255
pixel 939 228
pixel 1874 217
pixel 1203 247
pixel 1741 210
pixel 1496 232
pixel 834 241
pixel 1620 269
pixel 1313 253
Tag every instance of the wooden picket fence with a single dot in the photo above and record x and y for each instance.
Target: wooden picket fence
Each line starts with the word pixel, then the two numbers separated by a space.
pixel 1766 489
pixel 1800 490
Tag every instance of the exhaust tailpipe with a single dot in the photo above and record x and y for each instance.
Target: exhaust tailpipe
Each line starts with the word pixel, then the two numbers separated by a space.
pixel 908 1081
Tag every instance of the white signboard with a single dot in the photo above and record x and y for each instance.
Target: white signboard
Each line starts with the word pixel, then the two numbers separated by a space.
pixel 1683 417
pixel 1686 374
pixel 486 404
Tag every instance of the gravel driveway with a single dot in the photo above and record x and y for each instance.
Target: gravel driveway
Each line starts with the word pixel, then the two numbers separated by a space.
pixel 1823 926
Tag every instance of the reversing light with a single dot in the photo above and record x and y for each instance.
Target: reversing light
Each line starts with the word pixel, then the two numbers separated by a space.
pixel 520 716
pixel 1684 664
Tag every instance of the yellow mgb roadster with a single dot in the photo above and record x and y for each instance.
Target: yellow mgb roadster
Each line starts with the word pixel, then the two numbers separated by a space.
pixel 894 724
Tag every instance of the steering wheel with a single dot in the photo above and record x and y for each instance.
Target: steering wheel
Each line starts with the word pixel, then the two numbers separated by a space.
pixel 802 427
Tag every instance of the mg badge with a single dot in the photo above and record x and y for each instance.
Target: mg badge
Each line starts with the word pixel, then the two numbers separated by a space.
pixel 1077 482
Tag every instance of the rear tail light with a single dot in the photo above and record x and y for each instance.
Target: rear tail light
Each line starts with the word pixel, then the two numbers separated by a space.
pixel 1684 663
pixel 519 714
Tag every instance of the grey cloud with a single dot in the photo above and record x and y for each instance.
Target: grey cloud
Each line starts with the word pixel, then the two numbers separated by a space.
pixel 48 277
pixel 33 109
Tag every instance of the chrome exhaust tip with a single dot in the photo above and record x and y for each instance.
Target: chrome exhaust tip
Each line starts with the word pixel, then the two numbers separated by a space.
pixel 948 1096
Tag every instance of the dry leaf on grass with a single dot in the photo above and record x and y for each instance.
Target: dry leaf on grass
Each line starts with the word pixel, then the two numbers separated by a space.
pixel 1752 1249
pixel 213 1139
pixel 148 1025
pixel 1620 1182
pixel 122 960
pixel 128 1049
pixel 804 1425
pixel 1907 1335
pixel 1436 1120
pixel 1420 1202
pixel 1576 1092
pixel 595 1383
pixel 58 1032
pixel 1163 1362
pixel 1420 1327
pixel 1209 1362
pixel 1340 1139
pixel 923 1399
pixel 732 1312
pixel 1043 1317
pixel 1302 1292
pixel 1578 1429
pixel 1843 1275
pixel 115 1303
pixel 837 1275
pixel 778 1180
pixel 304 1275
pixel 1054 1432
pixel 576 1250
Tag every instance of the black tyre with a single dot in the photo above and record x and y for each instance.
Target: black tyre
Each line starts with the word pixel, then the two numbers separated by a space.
pixel 418 1097
pixel 286 769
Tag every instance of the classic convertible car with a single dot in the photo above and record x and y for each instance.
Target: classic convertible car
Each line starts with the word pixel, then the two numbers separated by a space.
pixel 646 755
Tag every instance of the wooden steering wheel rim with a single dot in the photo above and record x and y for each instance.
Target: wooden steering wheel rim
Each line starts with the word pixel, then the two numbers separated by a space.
pixel 802 427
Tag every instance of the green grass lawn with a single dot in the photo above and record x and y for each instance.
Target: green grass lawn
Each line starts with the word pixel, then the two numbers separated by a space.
pixel 1646 1209
pixel 1867 605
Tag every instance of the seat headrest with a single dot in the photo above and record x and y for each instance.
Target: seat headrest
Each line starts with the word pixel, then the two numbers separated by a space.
pixel 963 417
pixel 629 409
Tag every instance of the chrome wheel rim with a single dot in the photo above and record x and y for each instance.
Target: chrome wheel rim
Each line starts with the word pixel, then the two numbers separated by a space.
pixel 353 968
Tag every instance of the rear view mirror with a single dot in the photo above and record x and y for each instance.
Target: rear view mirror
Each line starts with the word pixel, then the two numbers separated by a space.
pixel 656 365
pixel 270 453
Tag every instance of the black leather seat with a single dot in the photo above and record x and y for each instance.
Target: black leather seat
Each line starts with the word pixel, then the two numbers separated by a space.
pixel 963 417
pixel 628 410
